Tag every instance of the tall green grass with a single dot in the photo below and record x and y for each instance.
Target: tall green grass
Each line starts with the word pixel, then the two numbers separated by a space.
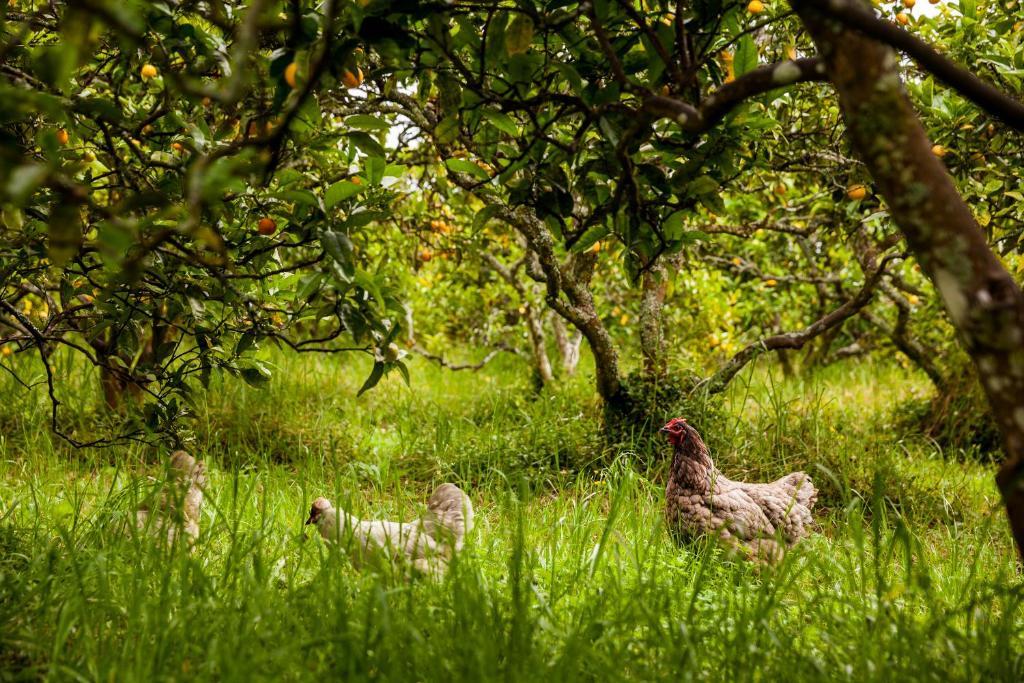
pixel 569 575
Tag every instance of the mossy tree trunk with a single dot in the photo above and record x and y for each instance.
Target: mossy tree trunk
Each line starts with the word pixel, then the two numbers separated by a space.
pixel 652 334
pixel 982 299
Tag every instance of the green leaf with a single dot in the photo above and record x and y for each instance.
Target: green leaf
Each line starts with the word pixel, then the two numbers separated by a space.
pixel 367 144
pixel 672 227
pixel 447 130
pixel 375 167
pixel 484 215
pixel 403 370
pixel 371 381
pixel 501 121
pixel 590 238
pixel 366 122
pixel 361 218
pixel 256 375
pixel 746 56
pixel 308 117
pixel 466 166
pixel 245 342
pixel 339 192
pixel 519 35
pixel 339 247
pixel 24 180
pixel 700 186
pixel 65 232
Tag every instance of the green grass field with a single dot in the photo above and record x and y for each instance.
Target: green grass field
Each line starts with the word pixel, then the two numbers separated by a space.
pixel 569 575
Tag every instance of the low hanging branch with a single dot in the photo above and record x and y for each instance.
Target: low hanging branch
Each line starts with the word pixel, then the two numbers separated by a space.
pixel 796 340
pixel 473 367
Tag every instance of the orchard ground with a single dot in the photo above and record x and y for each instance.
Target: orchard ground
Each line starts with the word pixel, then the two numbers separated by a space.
pixel 570 573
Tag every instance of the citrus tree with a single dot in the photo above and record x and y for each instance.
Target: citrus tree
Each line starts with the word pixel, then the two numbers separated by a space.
pixel 173 198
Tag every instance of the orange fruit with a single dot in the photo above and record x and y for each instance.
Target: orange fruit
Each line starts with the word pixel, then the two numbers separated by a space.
pixel 426 255
pixel 903 18
pixel 177 146
pixel 939 151
pixel 290 72
pixel 356 180
pixel 909 4
pixel 857 191
pixel 780 189
pixel 267 226
pixel 352 80
pixel 62 136
pixel 755 7
pixel 148 71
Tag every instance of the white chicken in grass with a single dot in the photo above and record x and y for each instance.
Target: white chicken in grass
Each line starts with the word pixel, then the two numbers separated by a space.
pixel 178 507
pixel 426 544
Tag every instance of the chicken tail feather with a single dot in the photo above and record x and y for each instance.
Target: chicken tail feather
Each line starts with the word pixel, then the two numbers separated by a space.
pixel 449 516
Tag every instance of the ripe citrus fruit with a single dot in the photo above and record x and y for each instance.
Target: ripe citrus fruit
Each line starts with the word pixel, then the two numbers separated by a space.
pixel 856 191
pixel 267 226
pixel 352 80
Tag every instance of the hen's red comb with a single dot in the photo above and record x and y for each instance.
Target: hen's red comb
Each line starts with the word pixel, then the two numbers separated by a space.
pixel 673 423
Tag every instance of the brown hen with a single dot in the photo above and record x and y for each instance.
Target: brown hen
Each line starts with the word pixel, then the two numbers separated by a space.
pixel 759 519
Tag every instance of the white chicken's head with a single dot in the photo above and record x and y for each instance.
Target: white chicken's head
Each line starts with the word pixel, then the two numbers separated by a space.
pixel 319 507
pixel 677 431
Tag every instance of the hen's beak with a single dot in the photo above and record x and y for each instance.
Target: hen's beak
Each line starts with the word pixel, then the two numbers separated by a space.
pixel 311 519
pixel 663 430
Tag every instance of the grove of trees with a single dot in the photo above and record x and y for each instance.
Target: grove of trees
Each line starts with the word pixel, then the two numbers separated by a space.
pixel 184 183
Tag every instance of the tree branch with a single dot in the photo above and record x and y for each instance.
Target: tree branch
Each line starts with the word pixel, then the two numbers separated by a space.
pixel 795 340
pixel 751 84
pixel 988 97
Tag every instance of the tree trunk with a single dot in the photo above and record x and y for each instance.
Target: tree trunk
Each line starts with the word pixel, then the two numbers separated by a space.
pixel 568 346
pixel 984 303
pixel 541 362
pixel 652 333
pixel 907 346
pixel 534 321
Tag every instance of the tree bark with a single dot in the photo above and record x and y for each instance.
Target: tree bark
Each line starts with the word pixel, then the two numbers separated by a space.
pixel 652 333
pixel 984 303
pixel 534 321
pixel 568 294
pixel 568 345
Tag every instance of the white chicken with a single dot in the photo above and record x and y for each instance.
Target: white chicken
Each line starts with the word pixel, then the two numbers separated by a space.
pixel 178 507
pixel 427 544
